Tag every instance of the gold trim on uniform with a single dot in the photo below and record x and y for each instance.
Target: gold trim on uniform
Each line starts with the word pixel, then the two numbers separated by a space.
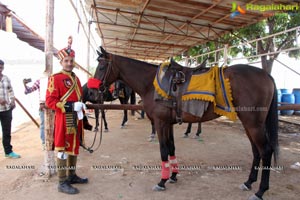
pixel 60 148
pixel 51 84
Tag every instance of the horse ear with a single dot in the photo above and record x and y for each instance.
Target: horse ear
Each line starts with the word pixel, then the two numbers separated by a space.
pixel 99 53
pixel 103 51
pixel 172 61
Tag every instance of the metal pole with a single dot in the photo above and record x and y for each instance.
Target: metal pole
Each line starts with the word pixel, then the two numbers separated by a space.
pixel 88 50
pixel 26 111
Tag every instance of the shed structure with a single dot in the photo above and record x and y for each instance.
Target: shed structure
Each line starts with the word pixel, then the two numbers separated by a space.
pixel 153 30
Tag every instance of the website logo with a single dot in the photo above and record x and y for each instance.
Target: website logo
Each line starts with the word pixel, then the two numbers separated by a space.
pixel 266 9
pixel 236 10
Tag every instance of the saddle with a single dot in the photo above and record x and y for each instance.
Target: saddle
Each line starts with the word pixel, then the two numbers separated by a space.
pixel 175 81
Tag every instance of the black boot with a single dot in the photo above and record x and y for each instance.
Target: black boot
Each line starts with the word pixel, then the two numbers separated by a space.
pixel 65 187
pixel 72 177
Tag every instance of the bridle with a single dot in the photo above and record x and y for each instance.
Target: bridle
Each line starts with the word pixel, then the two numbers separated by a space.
pixel 102 89
pixel 104 86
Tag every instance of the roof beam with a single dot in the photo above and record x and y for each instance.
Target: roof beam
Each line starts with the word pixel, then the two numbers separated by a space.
pixel 203 29
pixel 114 11
pixel 149 43
pixel 139 20
pixel 195 17
pixel 162 32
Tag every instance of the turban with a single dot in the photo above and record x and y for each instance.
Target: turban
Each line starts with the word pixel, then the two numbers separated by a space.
pixel 67 51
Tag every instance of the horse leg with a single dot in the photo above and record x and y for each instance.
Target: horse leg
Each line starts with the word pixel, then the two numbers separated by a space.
pixel 152 135
pixel 188 130
pixel 173 160
pixel 132 101
pixel 105 122
pixel 254 172
pixel 163 131
pixel 266 156
pixel 125 119
pixel 96 111
pixel 261 150
pixel 199 130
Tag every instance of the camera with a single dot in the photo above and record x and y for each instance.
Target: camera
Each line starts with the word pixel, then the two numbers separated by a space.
pixel 27 80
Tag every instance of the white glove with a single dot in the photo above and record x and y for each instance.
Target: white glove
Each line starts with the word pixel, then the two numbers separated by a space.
pixel 78 107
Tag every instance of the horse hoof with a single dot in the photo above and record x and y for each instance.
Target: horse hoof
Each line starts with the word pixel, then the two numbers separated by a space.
pixel 244 187
pixel 196 137
pixel 185 136
pixel 106 130
pixel 254 197
pixel 122 126
pixel 158 188
pixel 172 180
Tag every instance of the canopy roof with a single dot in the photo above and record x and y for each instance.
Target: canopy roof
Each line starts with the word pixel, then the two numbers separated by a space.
pixel 158 29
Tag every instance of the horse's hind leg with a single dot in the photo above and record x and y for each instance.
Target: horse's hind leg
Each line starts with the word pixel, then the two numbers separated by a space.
pixel 265 176
pixel 199 130
pixel 188 130
pixel 261 150
pixel 254 172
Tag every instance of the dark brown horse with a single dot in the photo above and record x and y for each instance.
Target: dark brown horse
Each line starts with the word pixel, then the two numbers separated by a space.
pixel 251 88
pixel 121 92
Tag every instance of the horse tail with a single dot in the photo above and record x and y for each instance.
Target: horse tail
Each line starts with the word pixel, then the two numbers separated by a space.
pixel 272 124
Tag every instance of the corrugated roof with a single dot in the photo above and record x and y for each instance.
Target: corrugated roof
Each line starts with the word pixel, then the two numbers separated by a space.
pixel 22 31
pixel 158 29
pixel 26 34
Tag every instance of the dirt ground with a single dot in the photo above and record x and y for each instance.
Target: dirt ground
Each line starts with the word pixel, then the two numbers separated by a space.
pixel 125 166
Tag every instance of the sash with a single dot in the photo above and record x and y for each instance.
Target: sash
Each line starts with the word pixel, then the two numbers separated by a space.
pixel 64 98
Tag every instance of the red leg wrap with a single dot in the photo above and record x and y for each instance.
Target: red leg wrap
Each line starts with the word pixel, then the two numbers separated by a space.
pixel 165 170
pixel 174 164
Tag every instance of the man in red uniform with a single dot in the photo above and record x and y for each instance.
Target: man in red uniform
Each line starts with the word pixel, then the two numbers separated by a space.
pixel 63 95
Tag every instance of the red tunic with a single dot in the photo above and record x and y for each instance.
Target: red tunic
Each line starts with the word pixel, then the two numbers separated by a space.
pixel 65 138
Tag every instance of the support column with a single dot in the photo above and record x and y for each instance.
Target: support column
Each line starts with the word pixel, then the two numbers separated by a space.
pixel 49 115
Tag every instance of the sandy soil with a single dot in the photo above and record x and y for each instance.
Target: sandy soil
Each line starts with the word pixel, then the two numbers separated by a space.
pixel 113 169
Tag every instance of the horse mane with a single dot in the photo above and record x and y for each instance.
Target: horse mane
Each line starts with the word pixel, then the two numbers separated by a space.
pixel 139 61
pixel 104 54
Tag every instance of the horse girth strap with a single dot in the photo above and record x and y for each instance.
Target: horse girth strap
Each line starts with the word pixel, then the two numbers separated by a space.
pixel 176 81
pixel 107 74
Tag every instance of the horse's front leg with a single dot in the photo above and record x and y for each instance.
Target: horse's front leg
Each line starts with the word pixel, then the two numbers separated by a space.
pixel 163 132
pixel 173 160
pixel 125 118
pixel 96 111
pixel 104 119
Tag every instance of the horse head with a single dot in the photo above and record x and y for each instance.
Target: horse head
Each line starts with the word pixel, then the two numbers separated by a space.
pixel 103 73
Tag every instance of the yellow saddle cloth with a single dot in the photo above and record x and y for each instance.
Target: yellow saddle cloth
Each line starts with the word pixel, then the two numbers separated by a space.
pixel 209 86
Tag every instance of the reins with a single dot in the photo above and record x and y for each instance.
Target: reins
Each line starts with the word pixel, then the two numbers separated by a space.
pixel 89 149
